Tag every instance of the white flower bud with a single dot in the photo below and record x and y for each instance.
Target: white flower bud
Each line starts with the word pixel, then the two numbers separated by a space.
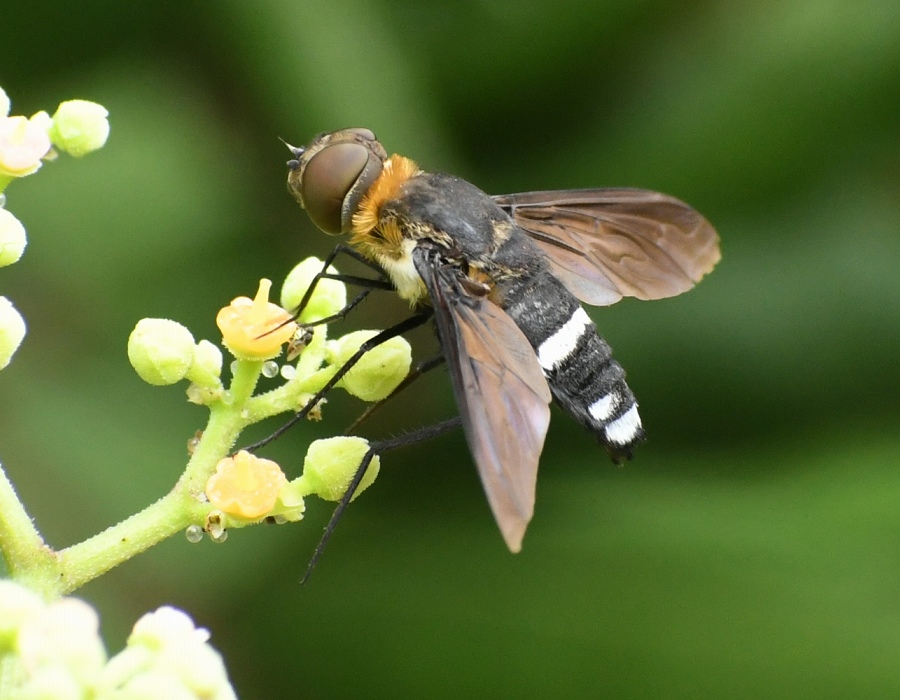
pixel 12 331
pixel 12 238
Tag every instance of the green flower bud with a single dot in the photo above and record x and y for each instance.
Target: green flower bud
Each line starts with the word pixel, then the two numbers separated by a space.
pixel 12 238
pixel 331 464
pixel 12 331
pixel 4 104
pixel 329 297
pixel 206 366
pixel 161 351
pixel 79 127
pixel 378 372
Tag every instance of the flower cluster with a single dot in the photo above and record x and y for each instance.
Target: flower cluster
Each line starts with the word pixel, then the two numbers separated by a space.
pixel 244 488
pixel 52 649
pixel 55 651
pixel 78 127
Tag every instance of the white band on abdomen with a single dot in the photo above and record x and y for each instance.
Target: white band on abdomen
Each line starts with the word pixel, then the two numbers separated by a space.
pixel 561 344
pixel 624 428
pixel 603 408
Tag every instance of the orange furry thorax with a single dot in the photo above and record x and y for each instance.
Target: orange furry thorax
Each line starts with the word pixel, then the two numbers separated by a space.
pixel 397 170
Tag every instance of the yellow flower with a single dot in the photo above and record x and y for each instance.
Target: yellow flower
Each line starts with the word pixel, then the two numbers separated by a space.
pixel 23 142
pixel 255 329
pixel 245 485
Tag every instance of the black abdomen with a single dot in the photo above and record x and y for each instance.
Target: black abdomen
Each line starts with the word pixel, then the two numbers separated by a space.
pixel 577 362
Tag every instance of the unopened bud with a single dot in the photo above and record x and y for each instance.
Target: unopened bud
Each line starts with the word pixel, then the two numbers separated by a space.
pixel 378 372
pixel 12 331
pixel 331 464
pixel 329 296
pixel 12 238
pixel 161 351
pixel 79 127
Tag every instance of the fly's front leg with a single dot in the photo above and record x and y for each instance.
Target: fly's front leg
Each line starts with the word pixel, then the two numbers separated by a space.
pixel 367 283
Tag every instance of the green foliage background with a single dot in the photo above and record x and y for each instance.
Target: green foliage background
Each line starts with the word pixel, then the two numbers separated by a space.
pixel 753 546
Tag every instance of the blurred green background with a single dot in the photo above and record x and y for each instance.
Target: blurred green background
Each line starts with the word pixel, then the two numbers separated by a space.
pixel 751 549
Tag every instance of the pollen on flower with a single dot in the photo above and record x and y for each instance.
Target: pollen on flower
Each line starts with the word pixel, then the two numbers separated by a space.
pixel 255 329
pixel 245 485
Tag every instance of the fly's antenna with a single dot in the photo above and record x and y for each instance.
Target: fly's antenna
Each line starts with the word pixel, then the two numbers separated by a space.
pixel 296 151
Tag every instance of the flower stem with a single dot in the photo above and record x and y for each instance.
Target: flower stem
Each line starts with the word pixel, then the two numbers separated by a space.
pixel 22 546
pixel 184 505
pixel 34 564
pixel 87 560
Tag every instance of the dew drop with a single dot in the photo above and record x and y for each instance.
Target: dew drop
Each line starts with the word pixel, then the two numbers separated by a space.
pixel 270 369
pixel 219 537
pixel 288 372
pixel 194 533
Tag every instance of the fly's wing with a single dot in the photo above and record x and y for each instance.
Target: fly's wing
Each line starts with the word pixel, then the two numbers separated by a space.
pixel 604 244
pixel 501 392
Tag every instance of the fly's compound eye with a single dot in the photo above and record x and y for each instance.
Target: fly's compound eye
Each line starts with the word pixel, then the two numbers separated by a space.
pixel 334 181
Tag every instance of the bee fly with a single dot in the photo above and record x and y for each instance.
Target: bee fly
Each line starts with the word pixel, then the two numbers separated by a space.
pixel 503 276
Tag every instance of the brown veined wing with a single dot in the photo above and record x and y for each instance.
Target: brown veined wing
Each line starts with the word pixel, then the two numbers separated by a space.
pixel 501 392
pixel 607 243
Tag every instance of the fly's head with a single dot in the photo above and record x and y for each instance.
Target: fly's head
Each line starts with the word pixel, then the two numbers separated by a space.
pixel 331 176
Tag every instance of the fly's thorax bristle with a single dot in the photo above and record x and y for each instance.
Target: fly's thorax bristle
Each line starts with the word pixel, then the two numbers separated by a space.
pixel 396 172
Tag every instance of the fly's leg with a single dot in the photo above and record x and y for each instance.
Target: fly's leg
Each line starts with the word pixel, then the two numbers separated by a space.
pixel 378 448
pixel 399 329
pixel 420 369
